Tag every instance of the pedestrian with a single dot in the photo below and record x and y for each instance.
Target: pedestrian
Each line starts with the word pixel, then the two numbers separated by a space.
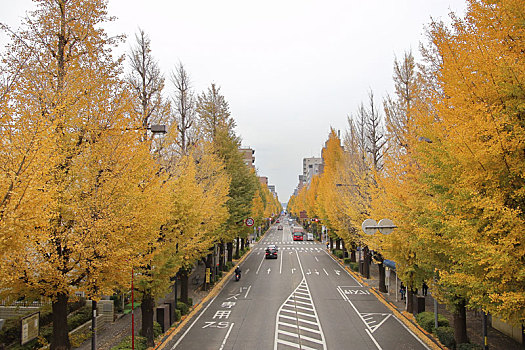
pixel 402 291
pixel 424 288
pixel 327 245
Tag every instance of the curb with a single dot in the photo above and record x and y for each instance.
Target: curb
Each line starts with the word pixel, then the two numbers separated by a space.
pixel 423 335
pixel 174 330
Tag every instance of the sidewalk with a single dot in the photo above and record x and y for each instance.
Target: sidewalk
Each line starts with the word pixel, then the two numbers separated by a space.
pixel 496 339
pixel 114 333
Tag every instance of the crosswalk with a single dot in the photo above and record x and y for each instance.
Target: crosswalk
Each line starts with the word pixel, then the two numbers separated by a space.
pixel 298 249
pixel 297 323
pixel 291 242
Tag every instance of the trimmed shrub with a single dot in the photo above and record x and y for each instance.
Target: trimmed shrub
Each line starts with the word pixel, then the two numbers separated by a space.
pixel 182 307
pixel 190 302
pixel 426 321
pixel 157 329
pixel 178 315
pixel 339 254
pixel 469 346
pixel 446 336
pixel 354 266
pixel 80 317
pixel 76 305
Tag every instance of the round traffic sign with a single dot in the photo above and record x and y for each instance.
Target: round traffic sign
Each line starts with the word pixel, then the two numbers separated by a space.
pixel 386 226
pixel 369 226
pixel 249 222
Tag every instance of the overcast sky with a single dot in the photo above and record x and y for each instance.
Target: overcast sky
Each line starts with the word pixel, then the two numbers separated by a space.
pixel 290 69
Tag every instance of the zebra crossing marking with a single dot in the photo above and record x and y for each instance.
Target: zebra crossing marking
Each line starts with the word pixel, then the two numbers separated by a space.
pixel 294 314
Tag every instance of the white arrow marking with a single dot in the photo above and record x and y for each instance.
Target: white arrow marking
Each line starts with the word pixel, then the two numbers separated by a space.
pixel 317 272
pixel 269 270
pixel 293 269
pixel 309 272
pixel 337 272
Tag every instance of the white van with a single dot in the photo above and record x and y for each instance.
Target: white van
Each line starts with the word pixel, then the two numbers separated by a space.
pixel 309 236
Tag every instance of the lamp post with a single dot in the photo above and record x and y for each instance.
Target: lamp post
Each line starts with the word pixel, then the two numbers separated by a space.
pixel 156 129
pixel 385 226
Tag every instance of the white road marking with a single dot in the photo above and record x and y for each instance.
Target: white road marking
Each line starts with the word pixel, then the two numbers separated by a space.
pixel 257 272
pixel 348 273
pixel 325 271
pixel 248 291
pixel 269 270
pixel 226 337
pixel 193 323
pixel 281 265
pixel 246 272
pixel 316 259
pixel 373 339
pixel 299 308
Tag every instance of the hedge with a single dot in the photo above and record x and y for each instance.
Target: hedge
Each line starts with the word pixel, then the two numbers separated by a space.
pixel 183 307
pixel 426 321
pixel 446 336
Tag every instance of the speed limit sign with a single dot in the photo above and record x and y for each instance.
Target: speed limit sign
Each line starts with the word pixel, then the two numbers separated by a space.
pixel 249 222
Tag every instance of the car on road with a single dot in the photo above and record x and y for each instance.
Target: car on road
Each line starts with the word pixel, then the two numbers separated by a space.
pixel 271 252
pixel 280 227
pixel 277 221
pixel 298 236
pixel 309 236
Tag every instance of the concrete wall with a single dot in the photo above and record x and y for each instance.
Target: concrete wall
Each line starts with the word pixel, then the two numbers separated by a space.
pixel 515 332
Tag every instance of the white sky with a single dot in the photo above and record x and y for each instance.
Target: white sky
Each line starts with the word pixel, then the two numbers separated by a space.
pixel 290 69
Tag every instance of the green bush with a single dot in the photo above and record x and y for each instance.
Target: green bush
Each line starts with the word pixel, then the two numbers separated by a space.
pixel 76 305
pixel 338 253
pixel 117 302
pixel 446 336
pixel 354 266
pixel 80 317
pixel 182 307
pixel 157 329
pixel 426 321
pixel 190 302
pixel 10 332
pixel 178 315
pixel 125 344
pixel 227 266
pixel 469 346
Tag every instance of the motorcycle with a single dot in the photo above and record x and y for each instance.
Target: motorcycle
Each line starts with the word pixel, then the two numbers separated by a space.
pixel 237 276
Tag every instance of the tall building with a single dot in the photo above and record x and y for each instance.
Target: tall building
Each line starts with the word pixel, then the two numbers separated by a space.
pixel 248 156
pixel 311 166
pixel 263 180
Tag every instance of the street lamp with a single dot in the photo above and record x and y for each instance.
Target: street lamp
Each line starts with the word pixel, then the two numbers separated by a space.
pixel 385 226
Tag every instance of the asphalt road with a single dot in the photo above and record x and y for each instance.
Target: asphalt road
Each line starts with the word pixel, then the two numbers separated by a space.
pixel 302 300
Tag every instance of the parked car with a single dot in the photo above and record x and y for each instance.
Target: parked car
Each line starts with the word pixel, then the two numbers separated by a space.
pixel 271 252
pixel 280 227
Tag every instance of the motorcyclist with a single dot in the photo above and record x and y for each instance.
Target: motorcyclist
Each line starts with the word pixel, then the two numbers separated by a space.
pixel 238 271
